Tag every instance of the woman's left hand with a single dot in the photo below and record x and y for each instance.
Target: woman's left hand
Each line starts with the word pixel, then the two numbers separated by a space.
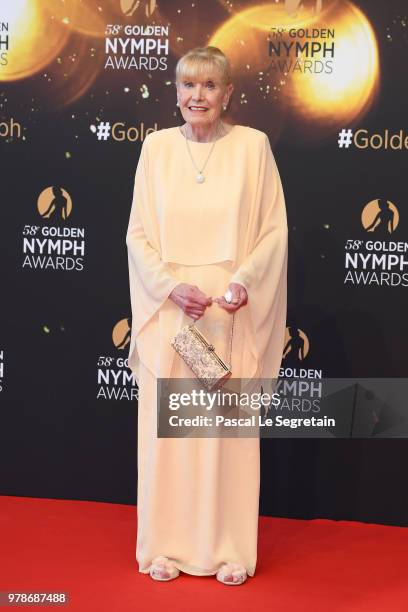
pixel 239 298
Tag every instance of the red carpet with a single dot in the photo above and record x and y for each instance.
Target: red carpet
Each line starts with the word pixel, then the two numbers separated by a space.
pixel 88 550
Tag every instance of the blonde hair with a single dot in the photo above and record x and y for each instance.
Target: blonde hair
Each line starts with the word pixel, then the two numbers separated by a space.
pixel 203 62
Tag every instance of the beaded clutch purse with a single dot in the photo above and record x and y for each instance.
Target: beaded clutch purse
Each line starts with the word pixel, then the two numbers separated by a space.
pixel 201 357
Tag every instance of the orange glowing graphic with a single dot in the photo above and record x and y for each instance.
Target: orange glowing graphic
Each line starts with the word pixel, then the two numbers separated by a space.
pixel 317 101
pixel 38 38
pixel 346 93
pixel 34 40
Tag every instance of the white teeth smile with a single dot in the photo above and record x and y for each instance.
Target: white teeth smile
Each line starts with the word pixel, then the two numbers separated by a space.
pixel 198 108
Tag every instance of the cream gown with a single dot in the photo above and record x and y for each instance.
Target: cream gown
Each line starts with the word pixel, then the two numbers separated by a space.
pixel 198 498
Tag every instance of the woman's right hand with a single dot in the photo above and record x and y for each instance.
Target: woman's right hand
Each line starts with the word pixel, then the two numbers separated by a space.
pixel 190 299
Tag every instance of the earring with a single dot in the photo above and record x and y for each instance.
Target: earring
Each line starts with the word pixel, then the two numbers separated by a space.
pixel 177 103
pixel 224 106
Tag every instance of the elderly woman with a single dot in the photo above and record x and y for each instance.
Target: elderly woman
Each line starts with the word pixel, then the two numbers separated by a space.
pixel 207 238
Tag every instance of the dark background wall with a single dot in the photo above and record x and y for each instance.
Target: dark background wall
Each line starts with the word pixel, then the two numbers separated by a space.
pixel 68 403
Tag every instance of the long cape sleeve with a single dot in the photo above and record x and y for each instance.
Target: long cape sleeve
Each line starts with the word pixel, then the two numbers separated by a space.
pixel 263 272
pixel 150 279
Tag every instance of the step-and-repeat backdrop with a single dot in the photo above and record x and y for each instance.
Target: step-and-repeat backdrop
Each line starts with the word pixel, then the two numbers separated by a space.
pixel 81 84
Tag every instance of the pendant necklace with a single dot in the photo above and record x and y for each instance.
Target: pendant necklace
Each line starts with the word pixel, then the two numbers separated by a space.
pixel 200 178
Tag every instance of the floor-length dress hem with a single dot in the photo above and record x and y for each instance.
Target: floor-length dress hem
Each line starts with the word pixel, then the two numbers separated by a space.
pixel 193 571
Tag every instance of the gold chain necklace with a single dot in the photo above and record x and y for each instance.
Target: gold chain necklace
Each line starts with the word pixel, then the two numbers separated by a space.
pixel 200 178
